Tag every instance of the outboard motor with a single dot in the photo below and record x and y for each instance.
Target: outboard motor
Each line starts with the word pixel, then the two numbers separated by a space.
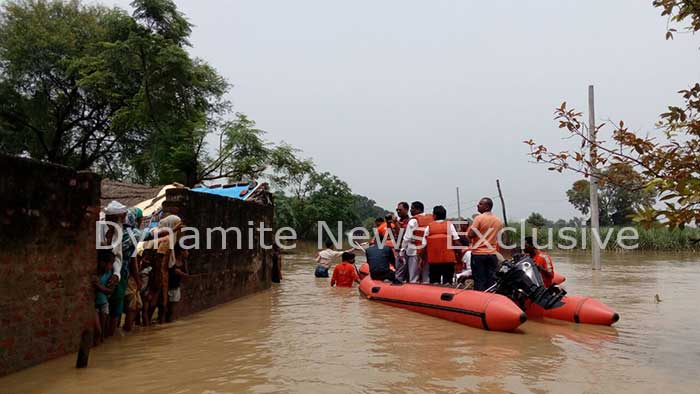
pixel 520 280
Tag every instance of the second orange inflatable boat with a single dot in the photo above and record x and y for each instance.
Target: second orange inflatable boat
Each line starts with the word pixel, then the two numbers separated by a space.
pixel 577 309
pixel 472 308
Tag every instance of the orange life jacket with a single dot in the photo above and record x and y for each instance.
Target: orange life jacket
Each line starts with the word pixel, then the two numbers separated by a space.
pixel 383 231
pixel 392 230
pixel 546 266
pixel 398 234
pixel 424 220
pixel 437 243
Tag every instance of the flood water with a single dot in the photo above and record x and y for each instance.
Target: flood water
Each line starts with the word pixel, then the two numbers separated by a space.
pixel 303 336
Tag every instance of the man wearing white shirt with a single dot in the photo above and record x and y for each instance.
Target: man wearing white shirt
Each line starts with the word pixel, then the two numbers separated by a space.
pixel 413 242
pixel 115 212
pixel 324 259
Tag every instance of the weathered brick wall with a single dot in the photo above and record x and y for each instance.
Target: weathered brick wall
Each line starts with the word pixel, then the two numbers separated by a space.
pixel 219 275
pixel 47 228
pixel 47 256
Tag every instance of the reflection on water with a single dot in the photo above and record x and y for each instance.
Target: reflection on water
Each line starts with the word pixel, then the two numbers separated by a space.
pixel 303 336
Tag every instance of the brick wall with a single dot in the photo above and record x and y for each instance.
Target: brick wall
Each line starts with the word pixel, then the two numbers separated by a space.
pixel 219 275
pixel 47 216
pixel 47 256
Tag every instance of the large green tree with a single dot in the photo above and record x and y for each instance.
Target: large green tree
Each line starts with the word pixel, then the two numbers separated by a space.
pixel 366 208
pixel 324 197
pixel 66 94
pixel 328 199
pixel 537 220
pixel 92 87
pixel 622 193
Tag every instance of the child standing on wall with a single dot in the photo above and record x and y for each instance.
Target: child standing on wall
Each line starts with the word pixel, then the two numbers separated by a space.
pixel 176 274
pixel 105 259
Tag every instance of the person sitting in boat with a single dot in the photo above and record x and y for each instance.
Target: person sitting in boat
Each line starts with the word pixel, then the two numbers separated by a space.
pixel 379 261
pixel 324 259
pixel 542 259
pixel 345 273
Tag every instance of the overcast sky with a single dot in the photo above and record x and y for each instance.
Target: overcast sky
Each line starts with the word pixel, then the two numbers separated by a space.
pixel 406 100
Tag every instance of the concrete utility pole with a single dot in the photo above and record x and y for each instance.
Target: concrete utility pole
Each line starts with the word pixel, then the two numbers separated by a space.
pixel 459 208
pixel 595 228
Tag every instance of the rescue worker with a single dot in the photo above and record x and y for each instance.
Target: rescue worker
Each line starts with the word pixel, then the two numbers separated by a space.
pixel 399 231
pixel 414 242
pixel 392 231
pixel 442 247
pixel 483 237
pixel 542 259
pixel 380 224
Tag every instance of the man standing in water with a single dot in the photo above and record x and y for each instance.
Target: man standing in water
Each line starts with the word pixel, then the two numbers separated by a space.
pixel 115 214
pixel 324 259
pixel 483 236
pixel 345 273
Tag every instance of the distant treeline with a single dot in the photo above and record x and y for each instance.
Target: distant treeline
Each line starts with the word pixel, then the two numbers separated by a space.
pixel 650 239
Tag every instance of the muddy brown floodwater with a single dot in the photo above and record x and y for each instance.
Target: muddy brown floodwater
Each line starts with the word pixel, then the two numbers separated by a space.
pixel 305 337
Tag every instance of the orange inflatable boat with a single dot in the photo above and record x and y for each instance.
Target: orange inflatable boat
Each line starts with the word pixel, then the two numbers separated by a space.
pixel 577 309
pixel 472 308
pixel 558 278
pixel 363 271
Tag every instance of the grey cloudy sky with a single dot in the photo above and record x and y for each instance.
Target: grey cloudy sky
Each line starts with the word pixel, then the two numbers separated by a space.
pixel 407 99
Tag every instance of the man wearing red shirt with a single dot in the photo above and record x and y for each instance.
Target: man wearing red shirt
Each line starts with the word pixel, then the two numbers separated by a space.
pixel 345 273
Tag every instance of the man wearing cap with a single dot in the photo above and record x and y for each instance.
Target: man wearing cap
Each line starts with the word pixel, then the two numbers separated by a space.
pixel 113 234
pixel 115 213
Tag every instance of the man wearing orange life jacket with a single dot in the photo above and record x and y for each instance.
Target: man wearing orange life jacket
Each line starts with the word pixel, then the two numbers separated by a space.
pixel 380 224
pixel 379 231
pixel 442 247
pixel 414 243
pixel 392 230
pixel 542 259
pixel 399 232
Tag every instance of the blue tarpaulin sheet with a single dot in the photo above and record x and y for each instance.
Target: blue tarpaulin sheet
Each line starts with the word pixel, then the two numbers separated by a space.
pixel 231 192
